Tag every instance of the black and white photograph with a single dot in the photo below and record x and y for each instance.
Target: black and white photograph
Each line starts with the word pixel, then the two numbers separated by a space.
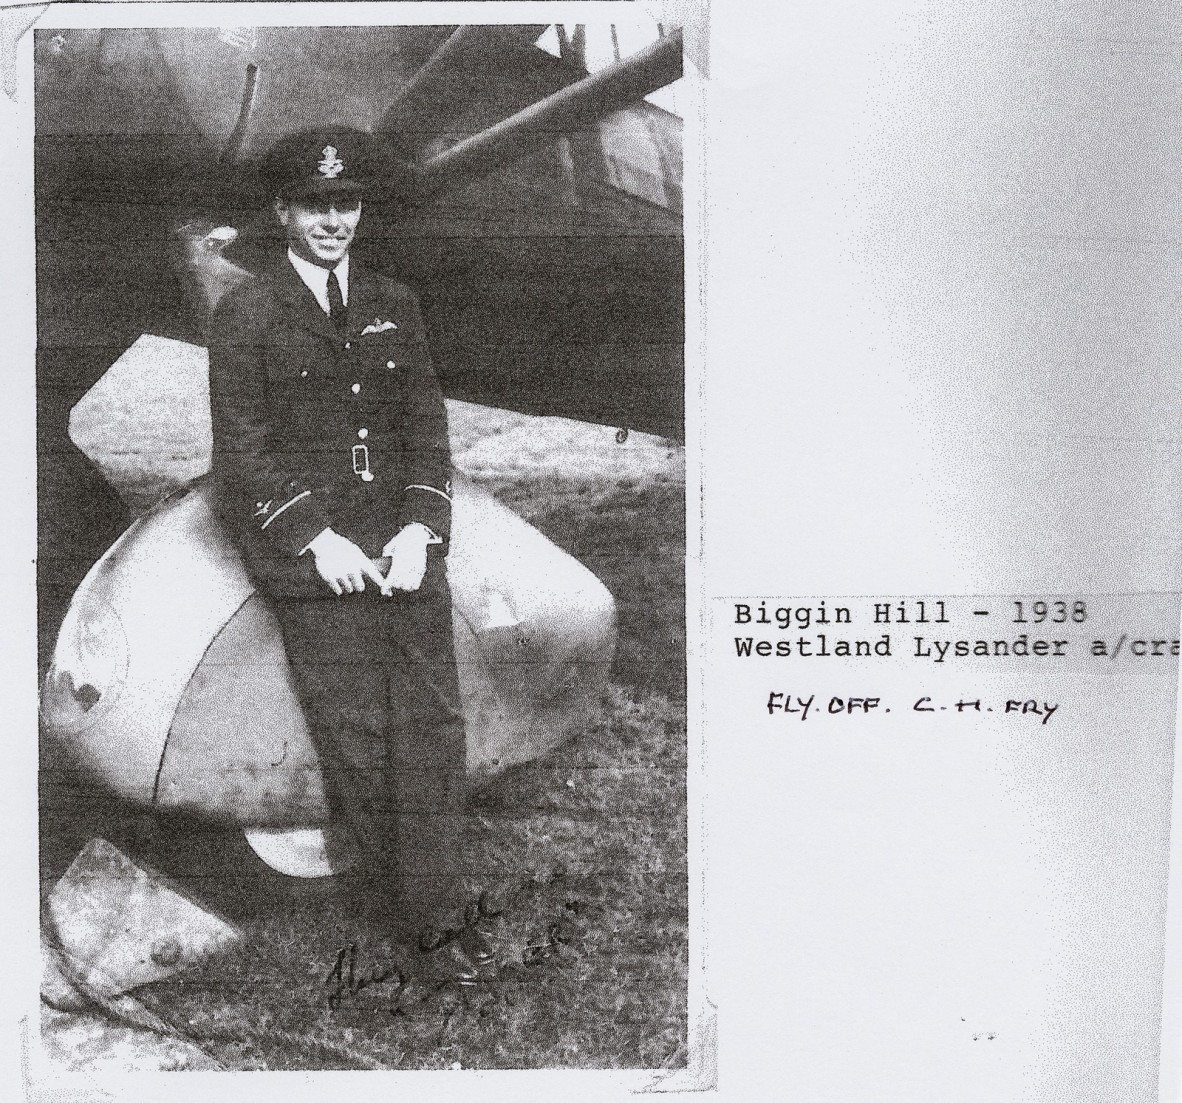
pixel 361 544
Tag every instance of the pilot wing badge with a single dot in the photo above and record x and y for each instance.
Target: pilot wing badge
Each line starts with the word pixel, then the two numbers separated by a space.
pixel 378 326
pixel 332 166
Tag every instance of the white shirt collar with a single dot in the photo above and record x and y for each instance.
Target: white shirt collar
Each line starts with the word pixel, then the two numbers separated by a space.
pixel 316 278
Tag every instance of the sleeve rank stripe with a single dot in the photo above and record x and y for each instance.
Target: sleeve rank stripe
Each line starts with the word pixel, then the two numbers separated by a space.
pixel 434 490
pixel 286 505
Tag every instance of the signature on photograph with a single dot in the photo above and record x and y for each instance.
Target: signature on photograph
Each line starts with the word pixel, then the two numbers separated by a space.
pixel 349 976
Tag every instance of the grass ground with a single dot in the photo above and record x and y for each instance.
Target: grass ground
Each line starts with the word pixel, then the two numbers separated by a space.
pixel 582 853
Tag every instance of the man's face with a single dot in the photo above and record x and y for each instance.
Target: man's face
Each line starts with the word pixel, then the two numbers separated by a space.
pixel 319 229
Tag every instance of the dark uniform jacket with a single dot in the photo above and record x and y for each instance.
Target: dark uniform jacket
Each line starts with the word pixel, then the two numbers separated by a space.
pixel 314 430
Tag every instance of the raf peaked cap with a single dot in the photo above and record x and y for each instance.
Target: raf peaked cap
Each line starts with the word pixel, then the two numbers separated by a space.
pixel 325 161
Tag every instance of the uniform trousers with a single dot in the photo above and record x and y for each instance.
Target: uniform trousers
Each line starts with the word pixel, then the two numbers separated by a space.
pixel 376 677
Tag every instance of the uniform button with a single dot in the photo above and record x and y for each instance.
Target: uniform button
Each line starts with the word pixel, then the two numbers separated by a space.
pixel 303 373
pixel 363 433
pixel 389 363
pixel 367 476
pixel 348 344
pixel 355 388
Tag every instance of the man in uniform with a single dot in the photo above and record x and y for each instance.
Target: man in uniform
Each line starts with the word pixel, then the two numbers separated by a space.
pixel 332 471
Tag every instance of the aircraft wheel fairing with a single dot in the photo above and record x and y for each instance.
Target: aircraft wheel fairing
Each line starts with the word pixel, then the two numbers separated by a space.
pixel 195 709
pixel 170 582
pixel 90 664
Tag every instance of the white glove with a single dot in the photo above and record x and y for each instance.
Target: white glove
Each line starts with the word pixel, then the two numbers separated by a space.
pixel 343 565
pixel 408 557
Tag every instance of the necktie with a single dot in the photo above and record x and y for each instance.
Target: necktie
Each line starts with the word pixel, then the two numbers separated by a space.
pixel 337 310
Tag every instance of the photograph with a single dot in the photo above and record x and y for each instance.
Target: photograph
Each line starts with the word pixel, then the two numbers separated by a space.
pixel 361 542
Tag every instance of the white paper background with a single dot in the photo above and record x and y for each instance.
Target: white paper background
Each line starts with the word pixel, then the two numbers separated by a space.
pixel 943 292
pixel 943 359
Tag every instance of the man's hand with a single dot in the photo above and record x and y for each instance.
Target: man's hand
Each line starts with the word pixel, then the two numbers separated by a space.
pixel 408 557
pixel 343 565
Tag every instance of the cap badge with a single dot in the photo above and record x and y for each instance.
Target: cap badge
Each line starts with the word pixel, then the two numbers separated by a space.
pixel 332 166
